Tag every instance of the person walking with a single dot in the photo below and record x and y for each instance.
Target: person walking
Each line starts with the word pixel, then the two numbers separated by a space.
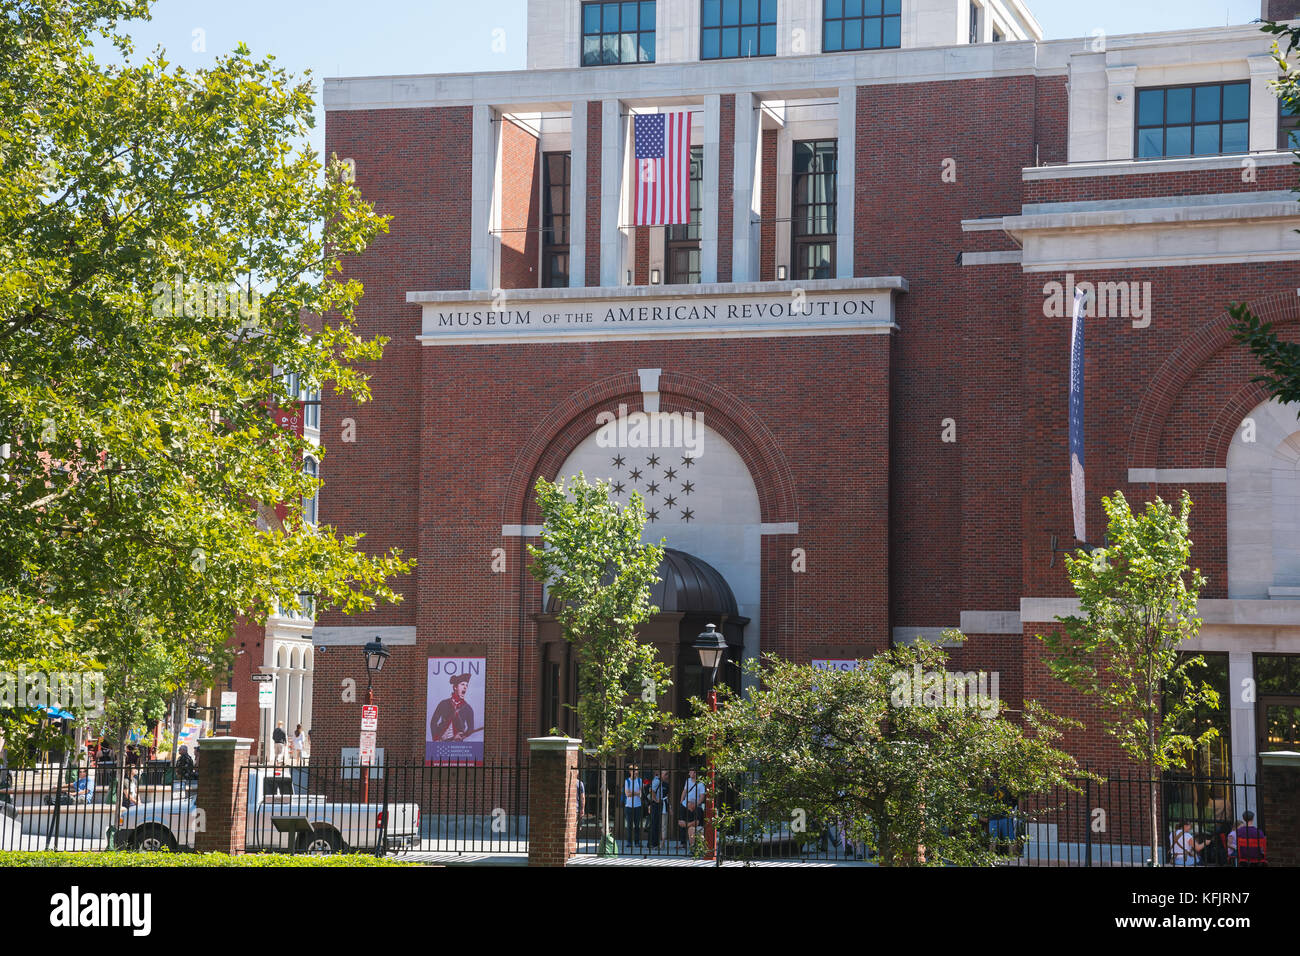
pixel 631 808
pixel 692 809
pixel 184 768
pixel 299 743
pixel 658 796
pixel 279 738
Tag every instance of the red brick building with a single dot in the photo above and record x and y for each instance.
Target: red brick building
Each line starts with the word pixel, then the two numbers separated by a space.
pixel 860 334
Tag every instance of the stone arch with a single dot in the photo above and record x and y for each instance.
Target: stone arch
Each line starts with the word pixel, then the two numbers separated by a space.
pixel 1263 499
pixel 1281 308
pixel 571 422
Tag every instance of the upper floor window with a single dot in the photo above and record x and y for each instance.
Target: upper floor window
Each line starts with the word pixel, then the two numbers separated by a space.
pixel 733 28
pixel 618 32
pixel 813 209
pixel 682 242
pixel 861 24
pixel 1203 120
pixel 555 219
pixel 311 503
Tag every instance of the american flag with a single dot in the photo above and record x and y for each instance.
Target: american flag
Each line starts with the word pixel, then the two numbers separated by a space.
pixel 1078 497
pixel 663 169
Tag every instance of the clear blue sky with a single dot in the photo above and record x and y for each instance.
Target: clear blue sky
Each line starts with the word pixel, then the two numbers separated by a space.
pixel 368 37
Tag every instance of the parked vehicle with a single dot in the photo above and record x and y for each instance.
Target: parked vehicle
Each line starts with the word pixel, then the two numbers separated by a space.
pixel 308 823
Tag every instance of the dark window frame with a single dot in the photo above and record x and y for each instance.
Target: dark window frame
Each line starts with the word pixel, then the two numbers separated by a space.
pixel 1265 698
pixel 799 214
pixel 638 32
pixel 1191 125
pixel 764 29
pixel 837 20
pixel 556 225
pixel 1288 125
pixel 680 241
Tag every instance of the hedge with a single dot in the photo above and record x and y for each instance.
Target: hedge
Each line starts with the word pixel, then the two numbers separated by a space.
pixel 130 858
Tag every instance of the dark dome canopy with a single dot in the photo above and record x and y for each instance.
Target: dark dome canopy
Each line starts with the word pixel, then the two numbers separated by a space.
pixel 686 585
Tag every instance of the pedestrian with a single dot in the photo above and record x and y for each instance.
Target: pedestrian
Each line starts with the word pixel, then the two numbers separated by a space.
pixel 131 790
pixel 1232 842
pixel 1252 845
pixel 279 738
pixel 632 808
pixel 692 807
pixel 657 793
pixel 184 767
pixel 582 804
pixel 1184 847
pixel 299 742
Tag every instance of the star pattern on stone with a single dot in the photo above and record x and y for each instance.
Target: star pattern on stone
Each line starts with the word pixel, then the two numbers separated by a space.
pixel 618 461
pixel 688 460
pixel 670 474
pixel 652 515
pixel 653 488
pixel 653 461
pixel 670 502
pixel 635 474
pixel 618 487
pixel 688 487
pixel 687 515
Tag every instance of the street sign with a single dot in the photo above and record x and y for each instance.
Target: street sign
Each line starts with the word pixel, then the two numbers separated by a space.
pixel 366 757
pixel 265 696
pixel 263 678
pixel 228 698
pixel 369 717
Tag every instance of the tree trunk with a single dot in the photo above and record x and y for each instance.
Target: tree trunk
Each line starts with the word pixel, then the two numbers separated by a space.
pixel 604 810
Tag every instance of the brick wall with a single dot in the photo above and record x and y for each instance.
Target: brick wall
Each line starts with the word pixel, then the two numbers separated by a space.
pixel 726 183
pixel 1279 813
pixel 594 129
pixel 767 230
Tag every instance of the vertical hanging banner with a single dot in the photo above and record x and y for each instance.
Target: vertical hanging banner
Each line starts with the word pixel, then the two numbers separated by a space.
pixel 663 169
pixel 1078 489
pixel 454 715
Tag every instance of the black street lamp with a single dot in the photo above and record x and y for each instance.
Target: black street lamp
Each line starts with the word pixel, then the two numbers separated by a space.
pixel 712 647
pixel 375 654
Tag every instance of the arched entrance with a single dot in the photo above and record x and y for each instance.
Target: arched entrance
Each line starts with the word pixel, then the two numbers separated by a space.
pixel 690 594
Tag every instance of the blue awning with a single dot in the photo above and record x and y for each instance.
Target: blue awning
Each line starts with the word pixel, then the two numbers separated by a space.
pixel 56 713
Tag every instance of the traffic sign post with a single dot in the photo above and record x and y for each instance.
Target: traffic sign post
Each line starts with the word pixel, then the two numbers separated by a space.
pixel 369 717
pixel 367 750
pixel 228 700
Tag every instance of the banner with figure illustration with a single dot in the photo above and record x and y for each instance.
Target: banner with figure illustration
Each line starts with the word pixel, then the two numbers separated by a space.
pixel 454 711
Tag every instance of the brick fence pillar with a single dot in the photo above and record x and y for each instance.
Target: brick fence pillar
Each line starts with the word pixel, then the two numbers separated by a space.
pixel 1279 806
pixel 222 794
pixel 552 800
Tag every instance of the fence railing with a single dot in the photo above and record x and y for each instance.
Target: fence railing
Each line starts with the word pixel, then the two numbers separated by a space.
pixel 391 808
pixel 79 807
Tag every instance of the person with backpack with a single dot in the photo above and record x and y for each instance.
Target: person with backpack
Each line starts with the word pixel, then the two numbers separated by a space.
pixel 184 767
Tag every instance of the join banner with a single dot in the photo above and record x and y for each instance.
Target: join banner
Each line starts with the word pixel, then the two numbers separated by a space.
pixel 454 715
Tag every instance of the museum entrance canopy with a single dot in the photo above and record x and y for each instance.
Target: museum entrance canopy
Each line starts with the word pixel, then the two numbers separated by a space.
pixel 858 306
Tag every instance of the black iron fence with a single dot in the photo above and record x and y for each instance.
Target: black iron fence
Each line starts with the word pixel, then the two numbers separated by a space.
pixel 1108 822
pixel 89 807
pixel 388 808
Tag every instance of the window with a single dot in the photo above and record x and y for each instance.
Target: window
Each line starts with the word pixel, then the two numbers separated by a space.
pixel 1277 684
pixel 1288 127
pixel 682 243
pixel 974 36
pixel 861 24
pixel 1205 120
pixel 310 406
pixel 1214 758
pixel 732 28
pixel 813 209
pixel 311 468
pixel 555 219
pixel 618 33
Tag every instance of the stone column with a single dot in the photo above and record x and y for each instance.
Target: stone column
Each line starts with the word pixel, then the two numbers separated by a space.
pixel 552 800
pixel 846 168
pixel 613 162
pixel 482 179
pixel 222 794
pixel 578 195
pixel 709 189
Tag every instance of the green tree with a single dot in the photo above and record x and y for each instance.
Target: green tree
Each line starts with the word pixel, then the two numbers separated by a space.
pixel 1279 358
pixel 593 561
pixel 904 770
pixel 161 239
pixel 1137 599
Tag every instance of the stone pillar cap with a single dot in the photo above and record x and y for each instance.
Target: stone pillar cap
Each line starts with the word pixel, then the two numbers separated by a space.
pixel 225 743
pixel 1280 758
pixel 554 743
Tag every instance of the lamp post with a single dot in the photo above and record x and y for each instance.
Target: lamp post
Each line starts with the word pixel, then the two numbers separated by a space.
pixel 712 647
pixel 376 654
